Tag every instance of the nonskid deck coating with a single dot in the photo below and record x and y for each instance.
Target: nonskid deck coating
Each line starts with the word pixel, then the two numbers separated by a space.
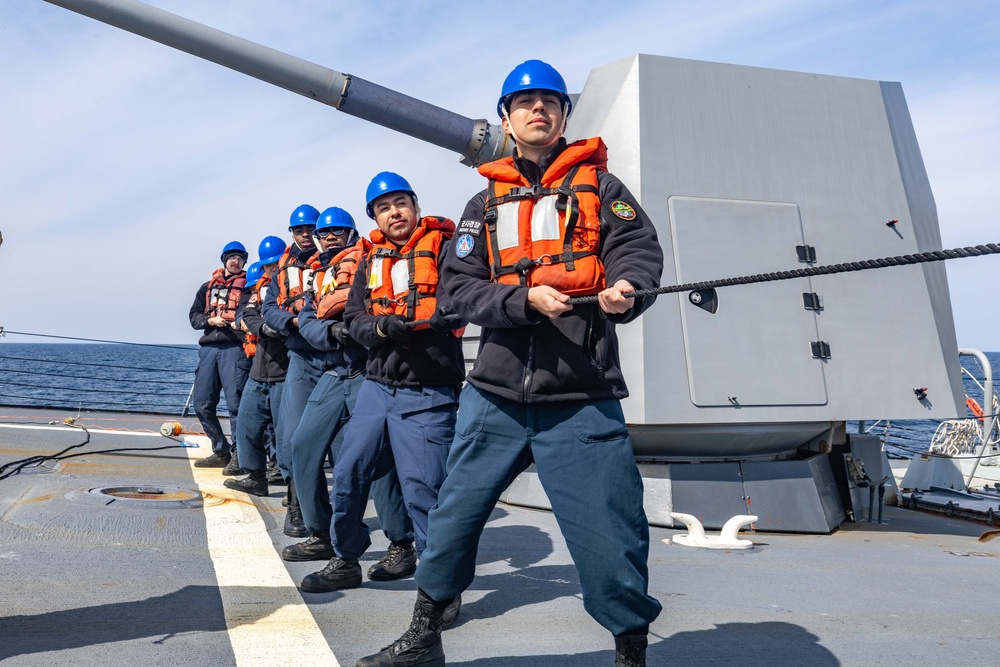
pixel 88 585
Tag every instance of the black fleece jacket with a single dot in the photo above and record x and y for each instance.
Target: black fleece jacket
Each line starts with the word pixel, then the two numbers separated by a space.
pixel 527 357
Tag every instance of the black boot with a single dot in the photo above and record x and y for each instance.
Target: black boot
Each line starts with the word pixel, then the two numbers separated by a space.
pixel 233 468
pixel 294 526
pixel 255 484
pixel 274 475
pixel 400 561
pixel 630 650
pixel 317 547
pixel 216 460
pixel 420 645
pixel 339 573
pixel 451 613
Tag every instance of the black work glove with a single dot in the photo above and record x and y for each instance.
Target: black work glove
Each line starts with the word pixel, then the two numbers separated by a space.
pixel 394 327
pixel 339 333
pixel 443 320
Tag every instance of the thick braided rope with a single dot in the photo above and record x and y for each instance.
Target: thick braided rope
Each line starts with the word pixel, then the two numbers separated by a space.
pixel 862 265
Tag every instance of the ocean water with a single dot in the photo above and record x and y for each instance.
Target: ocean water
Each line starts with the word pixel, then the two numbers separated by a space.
pixel 158 379
pixel 128 378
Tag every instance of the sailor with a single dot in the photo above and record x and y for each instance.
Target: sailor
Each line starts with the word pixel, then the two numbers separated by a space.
pixel 262 395
pixel 552 223
pixel 319 434
pixel 292 283
pixel 222 365
pixel 412 376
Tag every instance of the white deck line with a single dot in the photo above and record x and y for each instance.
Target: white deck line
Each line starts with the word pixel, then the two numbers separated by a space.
pixel 64 427
pixel 261 631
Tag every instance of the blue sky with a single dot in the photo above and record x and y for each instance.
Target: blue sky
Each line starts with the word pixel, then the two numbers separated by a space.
pixel 125 166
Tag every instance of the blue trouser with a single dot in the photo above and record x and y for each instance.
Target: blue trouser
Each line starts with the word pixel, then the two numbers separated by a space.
pixel 320 436
pixel 585 463
pixel 419 425
pixel 304 371
pixel 220 368
pixel 259 409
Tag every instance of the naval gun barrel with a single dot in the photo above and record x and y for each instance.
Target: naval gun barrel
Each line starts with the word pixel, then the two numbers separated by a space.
pixel 475 140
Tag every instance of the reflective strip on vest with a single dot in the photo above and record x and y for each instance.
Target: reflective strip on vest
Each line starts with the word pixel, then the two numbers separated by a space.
pixel 375 274
pixel 545 220
pixel 400 277
pixel 507 225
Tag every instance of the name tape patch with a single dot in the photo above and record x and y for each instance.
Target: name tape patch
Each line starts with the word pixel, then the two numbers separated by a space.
pixel 474 227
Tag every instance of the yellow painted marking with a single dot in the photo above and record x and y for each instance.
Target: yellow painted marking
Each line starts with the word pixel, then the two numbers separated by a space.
pixel 267 628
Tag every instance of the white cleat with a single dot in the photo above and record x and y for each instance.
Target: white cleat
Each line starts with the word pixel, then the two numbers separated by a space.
pixel 727 539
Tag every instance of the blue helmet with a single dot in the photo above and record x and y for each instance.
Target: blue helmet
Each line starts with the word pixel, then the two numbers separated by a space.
pixel 384 183
pixel 302 216
pixel 335 217
pixel 234 248
pixel 254 272
pixel 533 75
pixel 271 249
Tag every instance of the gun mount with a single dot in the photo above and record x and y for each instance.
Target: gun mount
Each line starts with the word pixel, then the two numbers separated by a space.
pixel 743 170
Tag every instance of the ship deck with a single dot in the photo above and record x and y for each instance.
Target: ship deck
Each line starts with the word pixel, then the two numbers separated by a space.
pixel 170 582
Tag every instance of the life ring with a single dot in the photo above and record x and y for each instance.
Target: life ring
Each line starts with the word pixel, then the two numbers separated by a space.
pixel 974 407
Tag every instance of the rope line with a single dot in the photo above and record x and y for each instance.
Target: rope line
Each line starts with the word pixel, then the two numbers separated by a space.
pixel 92 391
pixel 94 377
pixel 99 340
pixel 63 362
pixel 829 269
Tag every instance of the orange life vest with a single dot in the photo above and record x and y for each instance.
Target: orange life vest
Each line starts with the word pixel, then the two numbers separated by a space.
pixel 222 296
pixel 294 278
pixel 403 281
pixel 249 340
pixel 548 234
pixel 333 282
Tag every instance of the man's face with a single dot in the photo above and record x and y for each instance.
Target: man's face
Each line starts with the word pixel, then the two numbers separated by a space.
pixel 303 236
pixel 333 237
pixel 234 264
pixel 269 269
pixel 536 116
pixel 396 214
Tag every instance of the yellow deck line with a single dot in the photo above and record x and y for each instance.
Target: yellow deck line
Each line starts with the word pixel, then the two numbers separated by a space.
pixel 264 629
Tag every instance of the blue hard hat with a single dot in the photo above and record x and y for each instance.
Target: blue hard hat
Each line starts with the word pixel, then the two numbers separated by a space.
pixel 384 183
pixel 271 249
pixel 533 75
pixel 335 217
pixel 234 248
pixel 303 215
pixel 254 272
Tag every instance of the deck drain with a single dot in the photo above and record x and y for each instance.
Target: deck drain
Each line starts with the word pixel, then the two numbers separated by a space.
pixel 41 468
pixel 158 497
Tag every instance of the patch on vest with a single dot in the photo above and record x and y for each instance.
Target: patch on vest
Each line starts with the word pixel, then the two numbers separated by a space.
pixel 623 210
pixel 464 245
pixel 474 227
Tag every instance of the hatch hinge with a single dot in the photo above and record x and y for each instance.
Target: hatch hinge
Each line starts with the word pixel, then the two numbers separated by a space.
pixel 812 301
pixel 806 253
pixel 820 349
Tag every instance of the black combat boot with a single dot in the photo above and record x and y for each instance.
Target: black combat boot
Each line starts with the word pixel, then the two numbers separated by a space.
pixel 420 645
pixel 216 460
pixel 451 613
pixel 294 526
pixel 400 561
pixel 316 547
pixel 233 468
pixel 255 484
pixel 274 475
pixel 339 573
pixel 630 650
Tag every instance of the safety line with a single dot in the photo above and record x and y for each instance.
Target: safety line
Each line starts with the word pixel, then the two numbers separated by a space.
pixel 272 628
pixel 829 269
pixel 97 340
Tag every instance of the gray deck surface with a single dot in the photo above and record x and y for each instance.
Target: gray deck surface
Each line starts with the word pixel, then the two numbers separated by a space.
pixel 86 584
